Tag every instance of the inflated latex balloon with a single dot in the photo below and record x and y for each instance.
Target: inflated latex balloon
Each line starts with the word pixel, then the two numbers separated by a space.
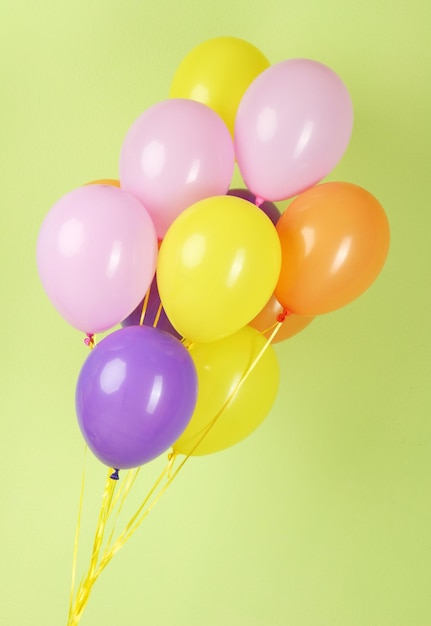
pixel 292 127
pixel 334 239
pixel 96 256
pixel 217 267
pixel 175 154
pixel 217 72
pixel 220 366
pixel 135 395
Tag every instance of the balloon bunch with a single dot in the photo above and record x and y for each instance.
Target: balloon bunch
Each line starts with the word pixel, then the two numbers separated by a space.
pixel 203 278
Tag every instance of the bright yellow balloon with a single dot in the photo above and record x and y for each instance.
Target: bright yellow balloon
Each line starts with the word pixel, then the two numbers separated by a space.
pixel 220 366
pixel 217 73
pixel 218 265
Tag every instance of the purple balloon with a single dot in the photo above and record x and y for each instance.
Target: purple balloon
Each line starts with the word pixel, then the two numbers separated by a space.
pixel 150 314
pixel 135 395
pixel 267 207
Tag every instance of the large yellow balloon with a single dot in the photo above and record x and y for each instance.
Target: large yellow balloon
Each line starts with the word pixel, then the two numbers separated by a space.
pixel 218 265
pixel 217 73
pixel 220 366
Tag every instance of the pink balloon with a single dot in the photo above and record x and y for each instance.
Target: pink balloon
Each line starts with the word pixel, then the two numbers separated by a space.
pixel 176 153
pixel 292 127
pixel 96 256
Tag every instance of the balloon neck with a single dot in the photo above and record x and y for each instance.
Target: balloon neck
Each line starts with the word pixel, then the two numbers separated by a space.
pixel 89 340
pixel 259 201
pixel 115 475
pixel 282 316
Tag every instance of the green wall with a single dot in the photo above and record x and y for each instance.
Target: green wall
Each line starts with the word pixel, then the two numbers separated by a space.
pixel 323 516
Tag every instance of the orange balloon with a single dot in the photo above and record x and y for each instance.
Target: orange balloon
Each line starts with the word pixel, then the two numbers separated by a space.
pixel 264 322
pixel 334 240
pixel 112 182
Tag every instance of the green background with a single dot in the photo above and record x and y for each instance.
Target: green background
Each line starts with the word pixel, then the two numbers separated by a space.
pixel 323 516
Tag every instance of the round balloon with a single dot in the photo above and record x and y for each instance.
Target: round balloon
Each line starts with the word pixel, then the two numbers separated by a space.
pixel 334 239
pixel 292 127
pixel 135 395
pixel 217 72
pixel 96 256
pixel 218 265
pixel 176 153
pixel 269 208
pixel 220 366
pixel 266 320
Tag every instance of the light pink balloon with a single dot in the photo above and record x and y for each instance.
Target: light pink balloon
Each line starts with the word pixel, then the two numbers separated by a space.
pixel 292 127
pixel 176 153
pixel 96 256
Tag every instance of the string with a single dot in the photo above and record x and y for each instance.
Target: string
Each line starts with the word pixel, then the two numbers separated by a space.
pixel 124 491
pixel 144 307
pixel 122 487
pixel 109 554
pixel 88 582
pixel 159 312
pixel 86 585
pixel 172 457
pixel 77 531
pixel 90 341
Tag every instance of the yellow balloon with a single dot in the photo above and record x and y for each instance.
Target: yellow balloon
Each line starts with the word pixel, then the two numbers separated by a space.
pixel 217 267
pixel 220 365
pixel 217 73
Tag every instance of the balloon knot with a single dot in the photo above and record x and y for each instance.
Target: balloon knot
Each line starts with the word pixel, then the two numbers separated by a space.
pixel 258 201
pixel 115 475
pixel 282 316
pixel 89 340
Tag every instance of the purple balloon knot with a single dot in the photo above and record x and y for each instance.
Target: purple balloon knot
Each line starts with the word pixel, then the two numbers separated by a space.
pixel 115 475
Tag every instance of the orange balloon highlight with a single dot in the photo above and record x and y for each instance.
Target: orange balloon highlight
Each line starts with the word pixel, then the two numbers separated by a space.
pixel 265 321
pixel 334 239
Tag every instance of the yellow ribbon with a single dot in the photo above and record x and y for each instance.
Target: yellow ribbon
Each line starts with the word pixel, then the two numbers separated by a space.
pixel 87 583
pixel 77 532
pixel 144 308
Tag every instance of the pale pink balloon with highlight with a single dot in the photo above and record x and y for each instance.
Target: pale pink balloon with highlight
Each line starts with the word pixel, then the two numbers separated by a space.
pixel 292 127
pixel 176 153
pixel 96 256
